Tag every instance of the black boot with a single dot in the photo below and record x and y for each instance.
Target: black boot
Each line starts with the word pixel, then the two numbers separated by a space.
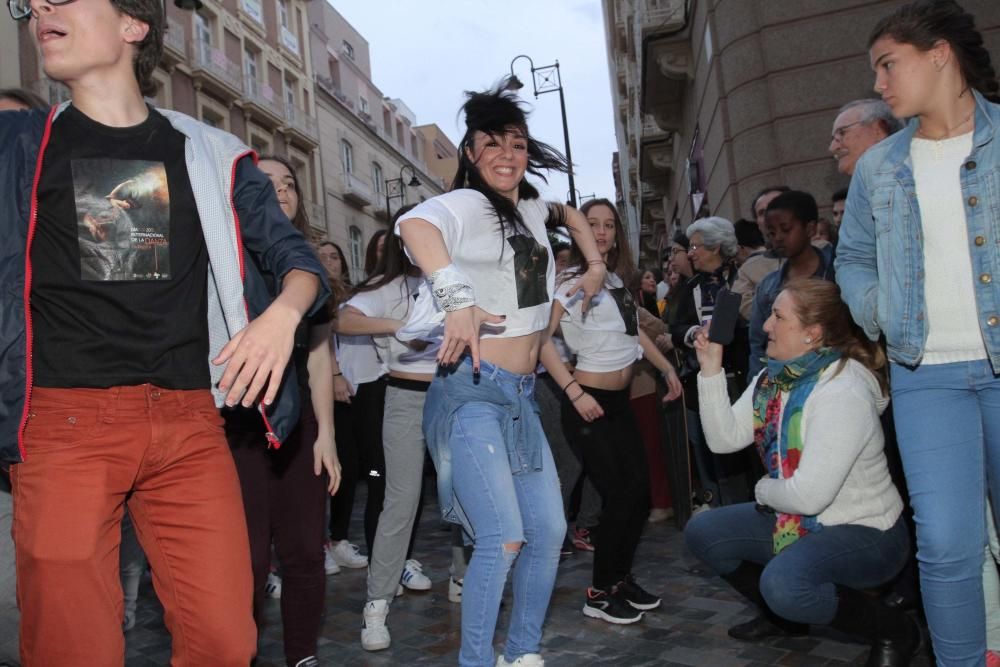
pixel 746 580
pixel 894 636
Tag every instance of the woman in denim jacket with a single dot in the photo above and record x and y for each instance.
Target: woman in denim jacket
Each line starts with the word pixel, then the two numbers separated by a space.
pixel 484 249
pixel 916 263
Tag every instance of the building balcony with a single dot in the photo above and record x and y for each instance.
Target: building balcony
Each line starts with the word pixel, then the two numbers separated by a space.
pixel 357 191
pixel 658 16
pixel 212 69
pixel 301 125
pixel 290 41
pixel 265 104
pixel 174 43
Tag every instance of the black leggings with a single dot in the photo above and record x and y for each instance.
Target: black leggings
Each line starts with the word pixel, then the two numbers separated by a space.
pixel 359 447
pixel 615 461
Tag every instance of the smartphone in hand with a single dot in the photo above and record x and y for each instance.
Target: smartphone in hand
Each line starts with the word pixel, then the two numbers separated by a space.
pixel 725 317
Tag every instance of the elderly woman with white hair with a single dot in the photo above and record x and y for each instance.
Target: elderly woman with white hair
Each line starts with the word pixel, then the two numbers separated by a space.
pixel 712 253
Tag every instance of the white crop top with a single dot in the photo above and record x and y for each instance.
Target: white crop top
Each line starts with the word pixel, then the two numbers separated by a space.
pixel 393 300
pixel 607 338
pixel 519 284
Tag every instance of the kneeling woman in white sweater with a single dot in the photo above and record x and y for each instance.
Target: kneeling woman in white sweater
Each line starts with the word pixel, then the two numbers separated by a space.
pixel 826 523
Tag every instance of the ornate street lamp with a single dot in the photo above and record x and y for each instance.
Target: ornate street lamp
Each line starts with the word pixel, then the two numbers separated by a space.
pixel 547 80
pixel 394 188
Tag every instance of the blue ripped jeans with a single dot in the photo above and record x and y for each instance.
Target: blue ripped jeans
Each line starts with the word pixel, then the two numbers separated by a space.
pixel 505 488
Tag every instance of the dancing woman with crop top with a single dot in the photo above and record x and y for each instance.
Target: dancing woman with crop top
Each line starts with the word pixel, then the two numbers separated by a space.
pixel 484 249
pixel 597 414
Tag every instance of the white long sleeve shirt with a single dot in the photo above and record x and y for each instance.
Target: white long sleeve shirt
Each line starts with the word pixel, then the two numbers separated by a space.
pixel 843 477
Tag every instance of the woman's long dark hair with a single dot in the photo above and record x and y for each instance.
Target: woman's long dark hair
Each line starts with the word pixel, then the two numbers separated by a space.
pixel 394 262
pixel 371 254
pixel 496 112
pixel 340 285
pixel 619 259
pixel 926 22
pixel 301 218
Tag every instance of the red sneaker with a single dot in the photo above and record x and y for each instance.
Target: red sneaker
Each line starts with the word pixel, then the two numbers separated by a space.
pixel 992 659
pixel 581 539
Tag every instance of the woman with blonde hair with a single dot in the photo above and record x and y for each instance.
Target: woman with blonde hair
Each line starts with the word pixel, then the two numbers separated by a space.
pixel 825 522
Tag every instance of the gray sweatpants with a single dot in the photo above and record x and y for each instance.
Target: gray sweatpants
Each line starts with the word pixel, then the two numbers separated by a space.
pixel 8 600
pixel 403 443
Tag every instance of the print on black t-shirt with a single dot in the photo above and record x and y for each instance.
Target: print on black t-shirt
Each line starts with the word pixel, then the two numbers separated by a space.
pixel 123 219
pixel 531 262
pixel 626 306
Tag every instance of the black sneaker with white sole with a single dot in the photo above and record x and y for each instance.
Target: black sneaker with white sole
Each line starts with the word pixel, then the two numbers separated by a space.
pixel 636 596
pixel 610 607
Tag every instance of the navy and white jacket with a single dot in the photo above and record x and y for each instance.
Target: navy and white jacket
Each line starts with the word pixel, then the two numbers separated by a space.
pixel 246 235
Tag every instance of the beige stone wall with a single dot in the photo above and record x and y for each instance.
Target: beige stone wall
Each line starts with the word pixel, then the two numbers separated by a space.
pixel 766 80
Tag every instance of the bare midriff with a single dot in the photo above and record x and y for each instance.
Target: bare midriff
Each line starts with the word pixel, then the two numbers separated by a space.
pixel 518 354
pixel 611 380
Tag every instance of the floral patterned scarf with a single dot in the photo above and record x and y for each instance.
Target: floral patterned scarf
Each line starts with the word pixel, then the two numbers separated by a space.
pixel 781 456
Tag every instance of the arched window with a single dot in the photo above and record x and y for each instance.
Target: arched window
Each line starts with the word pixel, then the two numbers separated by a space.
pixel 378 181
pixel 357 255
pixel 347 156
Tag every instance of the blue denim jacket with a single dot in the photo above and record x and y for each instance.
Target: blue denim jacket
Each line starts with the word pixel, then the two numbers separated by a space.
pixel 511 394
pixel 880 260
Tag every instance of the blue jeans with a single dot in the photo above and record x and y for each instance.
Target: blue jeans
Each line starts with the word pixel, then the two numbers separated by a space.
pixel 948 427
pixel 799 583
pixel 500 507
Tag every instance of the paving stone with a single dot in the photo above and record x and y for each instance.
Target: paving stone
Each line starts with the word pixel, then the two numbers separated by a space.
pixel 689 629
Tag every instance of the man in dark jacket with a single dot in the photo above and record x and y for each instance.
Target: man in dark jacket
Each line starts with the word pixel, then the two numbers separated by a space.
pixel 128 302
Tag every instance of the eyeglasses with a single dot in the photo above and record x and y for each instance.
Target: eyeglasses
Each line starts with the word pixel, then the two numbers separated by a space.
pixel 676 251
pixel 21 9
pixel 838 134
pixel 694 247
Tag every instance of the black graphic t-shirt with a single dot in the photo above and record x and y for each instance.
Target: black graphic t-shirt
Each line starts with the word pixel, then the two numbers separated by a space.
pixel 119 264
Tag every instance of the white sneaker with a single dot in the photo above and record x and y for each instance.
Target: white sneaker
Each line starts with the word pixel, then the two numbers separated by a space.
pixel 374 634
pixel 455 589
pixel 399 590
pixel 658 514
pixel 348 555
pixel 272 588
pixel 329 562
pixel 413 576
pixel 526 660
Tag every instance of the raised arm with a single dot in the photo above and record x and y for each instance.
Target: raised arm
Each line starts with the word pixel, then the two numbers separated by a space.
pixel 593 280
pixel 728 428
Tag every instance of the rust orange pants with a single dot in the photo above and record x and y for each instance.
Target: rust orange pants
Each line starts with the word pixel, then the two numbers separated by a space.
pixel 87 452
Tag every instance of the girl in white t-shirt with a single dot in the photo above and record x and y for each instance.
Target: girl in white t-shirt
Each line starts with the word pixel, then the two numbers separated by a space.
pixel 484 249
pixel 379 308
pixel 597 415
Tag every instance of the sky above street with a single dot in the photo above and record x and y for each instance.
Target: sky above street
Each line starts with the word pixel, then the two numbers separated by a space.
pixel 428 53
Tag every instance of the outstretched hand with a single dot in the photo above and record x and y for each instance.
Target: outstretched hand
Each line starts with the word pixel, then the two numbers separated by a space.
pixel 257 356
pixel 461 331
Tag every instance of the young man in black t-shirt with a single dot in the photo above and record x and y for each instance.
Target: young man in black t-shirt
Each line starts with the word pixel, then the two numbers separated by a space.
pixel 128 302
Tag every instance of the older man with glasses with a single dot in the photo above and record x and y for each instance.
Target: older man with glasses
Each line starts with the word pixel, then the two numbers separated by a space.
pixel 860 125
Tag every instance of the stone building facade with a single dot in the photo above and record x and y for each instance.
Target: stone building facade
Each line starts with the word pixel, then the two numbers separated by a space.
pixel 716 99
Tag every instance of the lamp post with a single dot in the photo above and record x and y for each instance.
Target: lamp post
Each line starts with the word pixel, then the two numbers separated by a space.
pixel 394 188
pixel 547 80
pixel 579 198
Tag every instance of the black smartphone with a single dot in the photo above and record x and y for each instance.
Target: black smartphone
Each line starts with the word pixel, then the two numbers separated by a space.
pixel 725 317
